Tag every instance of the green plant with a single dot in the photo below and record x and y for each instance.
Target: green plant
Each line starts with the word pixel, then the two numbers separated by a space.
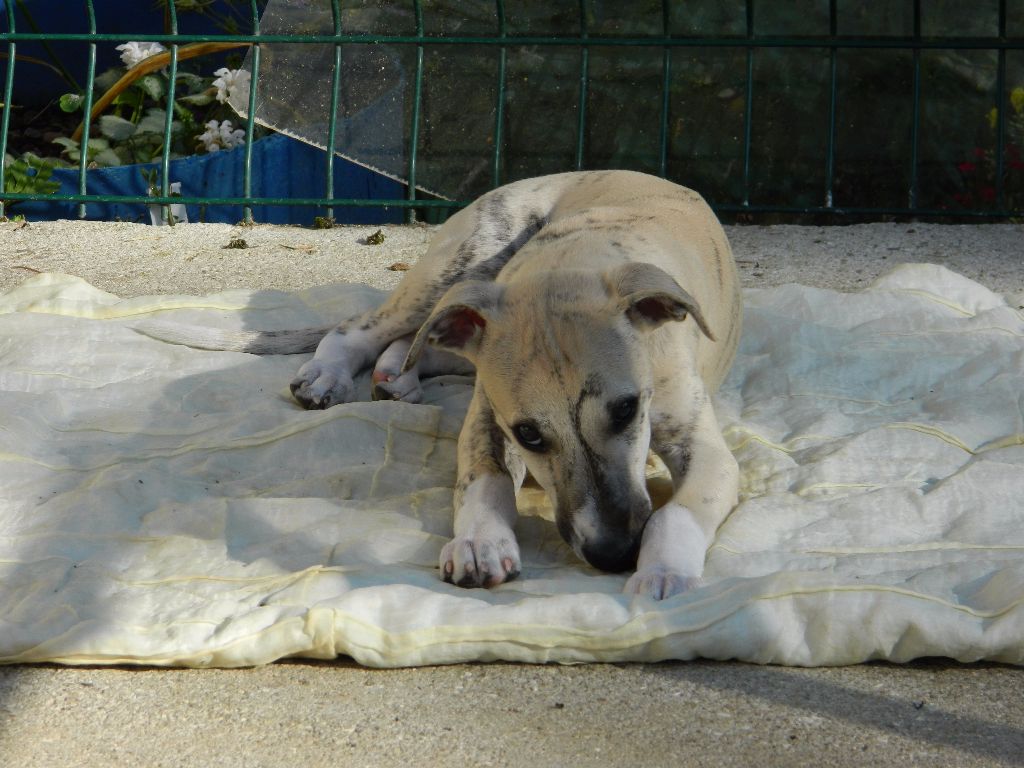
pixel 29 174
pixel 138 99
pixel 123 142
pixel 978 174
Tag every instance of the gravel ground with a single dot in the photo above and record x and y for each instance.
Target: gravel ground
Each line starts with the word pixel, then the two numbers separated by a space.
pixel 328 714
pixel 137 259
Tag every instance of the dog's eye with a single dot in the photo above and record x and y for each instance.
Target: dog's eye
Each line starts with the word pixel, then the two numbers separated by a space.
pixel 622 411
pixel 529 436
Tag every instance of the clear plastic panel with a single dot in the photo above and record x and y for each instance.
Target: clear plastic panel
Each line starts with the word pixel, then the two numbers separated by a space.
pixel 377 88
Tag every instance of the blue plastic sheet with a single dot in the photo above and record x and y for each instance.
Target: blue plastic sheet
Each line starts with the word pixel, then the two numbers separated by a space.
pixel 281 168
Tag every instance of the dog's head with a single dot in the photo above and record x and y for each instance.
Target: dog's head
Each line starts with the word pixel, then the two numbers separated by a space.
pixel 563 363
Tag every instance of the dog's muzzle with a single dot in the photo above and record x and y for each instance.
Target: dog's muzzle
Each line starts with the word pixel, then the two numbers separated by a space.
pixel 614 556
pixel 608 539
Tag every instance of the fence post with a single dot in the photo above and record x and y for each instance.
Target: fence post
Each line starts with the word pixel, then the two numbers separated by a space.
pixel 666 83
pixel 581 122
pixel 332 125
pixel 251 124
pixel 414 133
pixel 172 76
pixel 748 111
pixel 90 82
pixel 499 107
pixel 5 118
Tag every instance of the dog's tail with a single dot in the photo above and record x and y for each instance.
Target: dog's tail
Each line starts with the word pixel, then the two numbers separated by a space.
pixel 291 342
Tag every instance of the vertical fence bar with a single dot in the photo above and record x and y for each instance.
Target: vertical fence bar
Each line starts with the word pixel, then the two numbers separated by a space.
pixel 1001 109
pixel 414 132
pixel 830 146
pixel 915 122
pixel 172 76
pixel 499 107
pixel 251 123
pixel 666 81
pixel 581 122
pixel 748 114
pixel 90 83
pixel 332 125
pixel 5 118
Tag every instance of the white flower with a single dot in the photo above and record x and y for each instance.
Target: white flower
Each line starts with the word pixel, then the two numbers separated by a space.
pixel 231 83
pixel 220 136
pixel 132 53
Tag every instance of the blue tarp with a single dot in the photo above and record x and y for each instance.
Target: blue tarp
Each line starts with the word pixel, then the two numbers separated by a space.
pixel 281 167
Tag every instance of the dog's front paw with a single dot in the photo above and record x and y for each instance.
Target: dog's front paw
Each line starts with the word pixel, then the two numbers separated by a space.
pixel 660 582
pixel 480 562
pixel 318 385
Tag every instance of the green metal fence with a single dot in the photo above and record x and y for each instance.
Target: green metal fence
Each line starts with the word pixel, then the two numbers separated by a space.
pixel 1005 40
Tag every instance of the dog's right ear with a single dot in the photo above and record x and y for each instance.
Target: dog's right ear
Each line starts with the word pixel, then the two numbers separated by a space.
pixel 650 297
pixel 458 321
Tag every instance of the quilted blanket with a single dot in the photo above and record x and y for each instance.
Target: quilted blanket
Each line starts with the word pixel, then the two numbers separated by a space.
pixel 168 506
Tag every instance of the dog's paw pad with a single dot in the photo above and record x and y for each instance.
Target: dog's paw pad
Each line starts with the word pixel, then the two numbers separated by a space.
pixel 318 385
pixel 660 582
pixel 478 562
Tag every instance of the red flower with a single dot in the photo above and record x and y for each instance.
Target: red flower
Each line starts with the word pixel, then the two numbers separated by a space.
pixel 979 153
pixel 988 194
pixel 966 167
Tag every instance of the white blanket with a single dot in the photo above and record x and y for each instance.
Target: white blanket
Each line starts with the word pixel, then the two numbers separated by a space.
pixel 162 505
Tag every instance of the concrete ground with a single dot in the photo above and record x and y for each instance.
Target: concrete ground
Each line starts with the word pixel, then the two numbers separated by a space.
pixel 930 713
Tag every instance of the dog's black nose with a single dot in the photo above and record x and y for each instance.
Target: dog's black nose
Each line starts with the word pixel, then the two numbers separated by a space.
pixel 614 555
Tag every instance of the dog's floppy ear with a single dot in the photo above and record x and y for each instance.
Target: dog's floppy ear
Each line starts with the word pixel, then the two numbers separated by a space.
pixel 458 320
pixel 650 297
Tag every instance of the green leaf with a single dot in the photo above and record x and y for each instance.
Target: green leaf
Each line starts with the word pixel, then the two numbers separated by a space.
pixel 193 82
pixel 153 122
pixel 105 81
pixel 154 86
pixel 184 113
pixel 106 158
pixel 29 175
pixel 131 98
pixel 71 148
pixel 116 128
pixel 71 102
pixel 198 99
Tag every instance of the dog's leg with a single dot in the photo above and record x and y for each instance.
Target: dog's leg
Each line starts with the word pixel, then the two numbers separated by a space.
pixel 355 344
pixel 484 552
pixel 326 380
pixel 677 536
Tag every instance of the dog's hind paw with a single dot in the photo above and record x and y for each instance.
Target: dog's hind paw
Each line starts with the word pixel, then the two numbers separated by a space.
pixel 660 582
pixel 405 387
pixel 478 562
pixel 318 386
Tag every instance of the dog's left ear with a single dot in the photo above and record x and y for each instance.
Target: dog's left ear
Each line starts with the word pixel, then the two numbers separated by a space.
pixel 458 321
pixel 650 297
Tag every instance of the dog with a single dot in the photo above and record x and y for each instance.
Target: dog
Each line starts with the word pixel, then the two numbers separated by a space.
pixel 600 311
